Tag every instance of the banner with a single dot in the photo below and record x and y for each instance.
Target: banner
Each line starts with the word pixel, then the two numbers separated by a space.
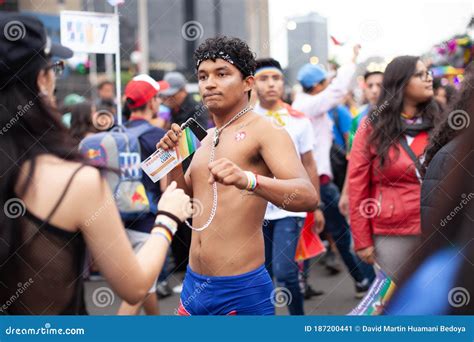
pixel 89 32
pixel 377 297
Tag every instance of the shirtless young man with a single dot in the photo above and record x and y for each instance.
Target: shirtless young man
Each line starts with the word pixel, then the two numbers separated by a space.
pixel 226 272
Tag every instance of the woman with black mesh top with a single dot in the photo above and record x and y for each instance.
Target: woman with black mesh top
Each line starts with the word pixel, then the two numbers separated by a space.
pixel 54 204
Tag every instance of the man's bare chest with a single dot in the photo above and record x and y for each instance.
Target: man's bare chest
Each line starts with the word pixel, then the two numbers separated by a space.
pixel 238 145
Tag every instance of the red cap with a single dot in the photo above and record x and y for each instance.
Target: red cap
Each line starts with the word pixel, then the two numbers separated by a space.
pixel 141 89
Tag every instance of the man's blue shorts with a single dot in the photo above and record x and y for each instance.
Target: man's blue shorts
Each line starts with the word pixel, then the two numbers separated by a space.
pixel 245 294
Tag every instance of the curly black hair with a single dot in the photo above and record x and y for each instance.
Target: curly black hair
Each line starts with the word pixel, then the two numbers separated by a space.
pixel 231 49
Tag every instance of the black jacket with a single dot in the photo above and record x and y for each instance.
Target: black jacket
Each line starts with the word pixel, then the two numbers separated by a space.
pixel 435 192
pixel 190 108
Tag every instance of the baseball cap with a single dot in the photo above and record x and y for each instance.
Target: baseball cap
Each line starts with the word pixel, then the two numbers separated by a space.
pixel 25 46
pixel 176 80
pixel 141 89
pixel 311 74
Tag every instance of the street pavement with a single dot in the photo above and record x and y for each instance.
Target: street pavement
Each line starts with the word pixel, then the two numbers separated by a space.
pixel 338 298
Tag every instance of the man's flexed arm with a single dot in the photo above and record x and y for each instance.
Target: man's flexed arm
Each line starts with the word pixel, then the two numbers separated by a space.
pixel 290 189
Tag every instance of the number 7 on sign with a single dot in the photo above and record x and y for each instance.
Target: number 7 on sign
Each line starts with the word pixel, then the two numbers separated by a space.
pixel 106 27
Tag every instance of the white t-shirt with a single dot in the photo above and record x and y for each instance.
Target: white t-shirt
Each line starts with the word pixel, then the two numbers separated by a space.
pixel 302 135
pixel 316 107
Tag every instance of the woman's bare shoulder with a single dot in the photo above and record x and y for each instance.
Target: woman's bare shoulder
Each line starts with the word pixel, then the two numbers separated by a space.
pixel 60 170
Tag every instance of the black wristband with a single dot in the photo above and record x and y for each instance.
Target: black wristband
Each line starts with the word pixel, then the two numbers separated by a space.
pixel 171 216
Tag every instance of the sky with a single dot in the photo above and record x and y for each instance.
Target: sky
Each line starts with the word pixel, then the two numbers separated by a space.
pixel 384 28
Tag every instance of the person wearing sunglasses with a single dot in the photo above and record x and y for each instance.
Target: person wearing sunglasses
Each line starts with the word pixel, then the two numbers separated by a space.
pixel 384 168
pixel 54 204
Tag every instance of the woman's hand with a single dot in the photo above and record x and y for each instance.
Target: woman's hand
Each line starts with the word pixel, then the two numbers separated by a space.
pixel 176 202
pixel 367 255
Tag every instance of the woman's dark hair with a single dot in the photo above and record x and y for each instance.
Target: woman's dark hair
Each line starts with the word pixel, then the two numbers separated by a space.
pixel 29 127
pixel 385 117
pixel 455 114
pixel 81 120
pixel 450 93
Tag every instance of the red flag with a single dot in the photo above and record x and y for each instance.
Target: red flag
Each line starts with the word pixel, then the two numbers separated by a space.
pixel 336 42
pixel 309 244
pixel 293 112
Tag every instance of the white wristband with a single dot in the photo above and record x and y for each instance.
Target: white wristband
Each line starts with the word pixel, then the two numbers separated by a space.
pixel 166 221
pixel 251 181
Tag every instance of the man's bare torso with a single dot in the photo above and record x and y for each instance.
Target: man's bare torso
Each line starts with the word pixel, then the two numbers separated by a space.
pixel 233 243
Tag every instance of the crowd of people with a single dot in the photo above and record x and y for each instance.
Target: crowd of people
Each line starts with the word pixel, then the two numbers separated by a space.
pixel 381 183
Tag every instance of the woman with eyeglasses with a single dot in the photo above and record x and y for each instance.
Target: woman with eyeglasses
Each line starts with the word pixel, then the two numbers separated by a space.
pixel 438 280
pixel 384 176
pixel 54 204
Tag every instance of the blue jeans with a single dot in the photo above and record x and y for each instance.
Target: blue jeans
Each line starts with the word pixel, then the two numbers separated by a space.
pixel 281 239
pixel 337 226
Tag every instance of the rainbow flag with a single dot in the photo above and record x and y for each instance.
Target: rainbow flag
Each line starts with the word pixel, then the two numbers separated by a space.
pixel 187 145
pixel 377 297
pixel 447 70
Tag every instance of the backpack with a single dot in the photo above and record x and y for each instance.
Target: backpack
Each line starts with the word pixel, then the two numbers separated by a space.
pixel 119 150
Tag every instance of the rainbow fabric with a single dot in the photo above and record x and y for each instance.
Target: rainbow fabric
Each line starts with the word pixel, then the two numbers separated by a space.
pixel 448 70
pixel 187 145
pixel 377 297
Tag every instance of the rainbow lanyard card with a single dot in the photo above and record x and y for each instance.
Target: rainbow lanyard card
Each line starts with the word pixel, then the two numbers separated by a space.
pixel 161 162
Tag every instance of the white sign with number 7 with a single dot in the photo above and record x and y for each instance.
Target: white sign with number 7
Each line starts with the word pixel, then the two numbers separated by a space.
pixel 89 32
